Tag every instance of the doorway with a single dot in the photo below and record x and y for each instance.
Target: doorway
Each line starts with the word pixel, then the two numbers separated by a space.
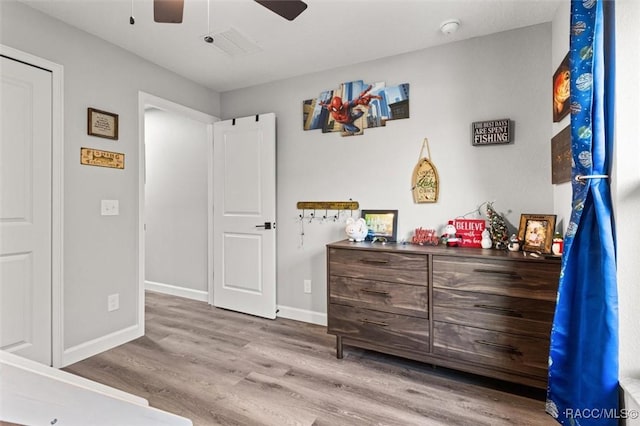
pixel 175 199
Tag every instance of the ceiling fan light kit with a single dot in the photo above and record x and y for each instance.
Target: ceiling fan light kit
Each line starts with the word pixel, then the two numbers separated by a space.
pixel 168 11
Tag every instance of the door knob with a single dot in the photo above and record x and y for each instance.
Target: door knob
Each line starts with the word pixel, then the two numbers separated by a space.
pixel 267 225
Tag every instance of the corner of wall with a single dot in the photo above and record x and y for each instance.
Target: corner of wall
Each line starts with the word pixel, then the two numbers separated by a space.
pixel 562 192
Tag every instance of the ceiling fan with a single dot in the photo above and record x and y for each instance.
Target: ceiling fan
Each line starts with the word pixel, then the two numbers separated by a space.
pixel 170 11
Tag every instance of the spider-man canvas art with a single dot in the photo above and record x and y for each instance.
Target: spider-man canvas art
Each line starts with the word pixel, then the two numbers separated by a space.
pixel 356 106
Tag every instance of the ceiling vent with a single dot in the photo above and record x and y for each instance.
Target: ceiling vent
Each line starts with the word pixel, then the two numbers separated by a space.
pixel 234 44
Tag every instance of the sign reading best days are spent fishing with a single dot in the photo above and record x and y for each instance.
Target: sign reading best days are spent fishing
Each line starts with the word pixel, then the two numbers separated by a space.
pixel 492 132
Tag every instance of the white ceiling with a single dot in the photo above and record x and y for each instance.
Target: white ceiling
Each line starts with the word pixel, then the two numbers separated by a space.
pixel 329 34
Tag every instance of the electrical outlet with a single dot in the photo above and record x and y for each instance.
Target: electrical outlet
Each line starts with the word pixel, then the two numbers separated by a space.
pixel 113 302
pixel 307 286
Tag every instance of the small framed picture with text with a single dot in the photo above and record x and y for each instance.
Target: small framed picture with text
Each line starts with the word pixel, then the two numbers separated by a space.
pixel 102 124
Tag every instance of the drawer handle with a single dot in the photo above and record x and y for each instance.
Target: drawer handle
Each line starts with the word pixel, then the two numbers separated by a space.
pixel 505 348
pixel 510 274
pixel 506 311
pixel 379 323
pixel 374 261
pixel 372 291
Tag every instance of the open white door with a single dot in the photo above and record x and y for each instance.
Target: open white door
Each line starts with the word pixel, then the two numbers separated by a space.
pixel 25 210
pixel 244 212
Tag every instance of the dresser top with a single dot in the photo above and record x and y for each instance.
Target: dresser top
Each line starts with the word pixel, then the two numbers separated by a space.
pixel 443 250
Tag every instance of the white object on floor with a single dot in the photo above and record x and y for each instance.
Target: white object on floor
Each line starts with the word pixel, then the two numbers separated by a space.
pixel 631 394
pixel 35 394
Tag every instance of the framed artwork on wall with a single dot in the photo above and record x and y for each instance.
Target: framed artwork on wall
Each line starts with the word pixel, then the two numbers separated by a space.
pixel 561 90
pixel 382 223
pixel 102 124
pixel 561 156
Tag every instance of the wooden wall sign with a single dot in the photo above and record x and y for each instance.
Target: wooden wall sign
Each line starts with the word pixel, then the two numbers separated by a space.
pixel 425 184
pixel 492 132
pixel 327 205
pixel 470 230
pixel 561 156
pixel 96 157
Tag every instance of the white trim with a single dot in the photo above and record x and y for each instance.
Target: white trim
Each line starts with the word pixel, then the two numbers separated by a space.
pixel 174 290
pixel 210 255
pixel 101 344
pixel 147 100
pixel 57 193
pixel 141 230
pixel 304 315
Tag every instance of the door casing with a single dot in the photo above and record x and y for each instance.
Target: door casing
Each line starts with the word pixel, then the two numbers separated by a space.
pixel 57 202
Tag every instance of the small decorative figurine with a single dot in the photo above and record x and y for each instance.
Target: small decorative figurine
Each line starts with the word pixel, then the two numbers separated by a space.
pixel 558 244
pixel 356 229
pixel 450 236
pixel 514 243
pixel 486 241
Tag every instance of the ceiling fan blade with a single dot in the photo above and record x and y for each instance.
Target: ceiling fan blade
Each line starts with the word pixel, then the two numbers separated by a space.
pixel 168 11
pixel 288 9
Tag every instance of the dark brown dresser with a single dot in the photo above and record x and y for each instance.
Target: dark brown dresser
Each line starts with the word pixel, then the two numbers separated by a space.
pixel 486 312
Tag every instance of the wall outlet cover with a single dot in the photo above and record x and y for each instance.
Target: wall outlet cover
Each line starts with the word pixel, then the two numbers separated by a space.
pixel 113 302
pixel 110 208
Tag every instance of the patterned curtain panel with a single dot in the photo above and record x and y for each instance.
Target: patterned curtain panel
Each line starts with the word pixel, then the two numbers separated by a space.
pixel 583 359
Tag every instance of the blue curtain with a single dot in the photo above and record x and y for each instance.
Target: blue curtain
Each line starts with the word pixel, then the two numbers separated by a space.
pixel 583 358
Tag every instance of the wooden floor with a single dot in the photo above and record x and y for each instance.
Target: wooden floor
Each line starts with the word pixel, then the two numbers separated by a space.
pixel 223 368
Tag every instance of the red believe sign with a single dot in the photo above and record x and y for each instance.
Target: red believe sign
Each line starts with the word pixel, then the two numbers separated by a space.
pixel 470 230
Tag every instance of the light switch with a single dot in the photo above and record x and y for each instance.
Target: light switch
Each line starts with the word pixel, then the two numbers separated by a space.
pixel 110 208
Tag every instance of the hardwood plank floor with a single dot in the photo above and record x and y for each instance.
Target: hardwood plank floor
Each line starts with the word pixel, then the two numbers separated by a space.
pixel 218 367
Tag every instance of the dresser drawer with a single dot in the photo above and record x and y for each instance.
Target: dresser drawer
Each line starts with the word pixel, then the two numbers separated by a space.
pixel 399 332
pixel 534 280
pixel 500 313
pixel 379 265
pixel 379 295
pixel 521 354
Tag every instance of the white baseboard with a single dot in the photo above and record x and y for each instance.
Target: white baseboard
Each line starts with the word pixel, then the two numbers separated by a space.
pixel 101 344
pixel 304 315
pixel 174 290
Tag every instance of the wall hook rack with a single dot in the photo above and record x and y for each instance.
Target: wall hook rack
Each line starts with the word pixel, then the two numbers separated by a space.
pixel 333 210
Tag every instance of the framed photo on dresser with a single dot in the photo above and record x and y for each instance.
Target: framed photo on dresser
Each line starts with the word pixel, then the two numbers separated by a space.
pixel 536 232
pixel 383 223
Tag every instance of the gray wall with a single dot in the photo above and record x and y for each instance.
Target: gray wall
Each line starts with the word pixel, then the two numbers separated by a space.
pixel 504 75
pixel 100 252
pixel 176 201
